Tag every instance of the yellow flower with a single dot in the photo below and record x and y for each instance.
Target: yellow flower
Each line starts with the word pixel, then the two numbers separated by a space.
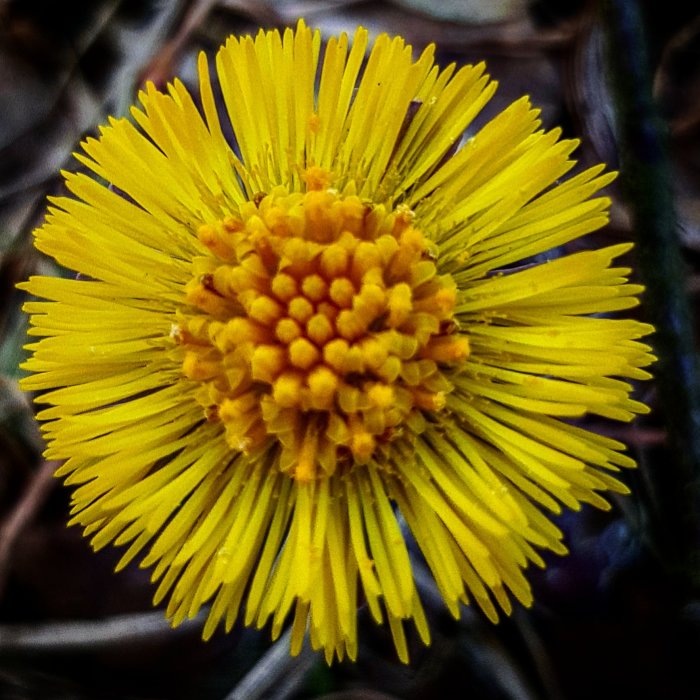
pixel 278 344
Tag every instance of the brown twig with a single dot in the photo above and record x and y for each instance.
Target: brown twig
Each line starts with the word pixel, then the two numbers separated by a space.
pixel 22 514
pixel 631 435
pixel 70 636
pixel 264 680
pixel 161 68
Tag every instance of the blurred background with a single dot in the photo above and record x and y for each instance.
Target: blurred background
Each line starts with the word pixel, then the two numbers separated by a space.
pixel 620 616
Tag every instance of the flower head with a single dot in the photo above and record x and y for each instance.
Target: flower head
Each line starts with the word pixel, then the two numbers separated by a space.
pixel 278 345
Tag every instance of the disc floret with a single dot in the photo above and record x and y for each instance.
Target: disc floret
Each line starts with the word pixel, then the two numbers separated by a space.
pixel 321 321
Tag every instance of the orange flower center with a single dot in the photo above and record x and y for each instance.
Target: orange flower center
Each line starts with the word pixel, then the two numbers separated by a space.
pixel 319 321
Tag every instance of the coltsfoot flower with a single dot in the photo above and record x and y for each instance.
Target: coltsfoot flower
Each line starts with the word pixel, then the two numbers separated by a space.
pixel 284 352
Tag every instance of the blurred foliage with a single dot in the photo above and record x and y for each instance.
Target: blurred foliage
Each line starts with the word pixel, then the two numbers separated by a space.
pixel 612 618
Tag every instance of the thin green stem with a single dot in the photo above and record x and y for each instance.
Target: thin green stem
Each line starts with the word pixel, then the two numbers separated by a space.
pixel 647 187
